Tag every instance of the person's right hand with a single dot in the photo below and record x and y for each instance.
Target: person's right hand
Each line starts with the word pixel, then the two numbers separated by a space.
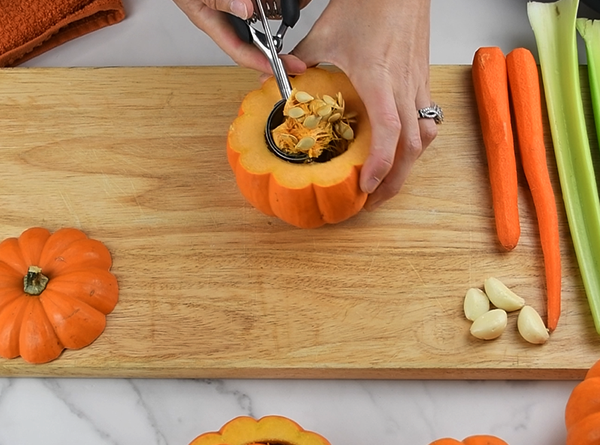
pixel 383 47
pixel 210 16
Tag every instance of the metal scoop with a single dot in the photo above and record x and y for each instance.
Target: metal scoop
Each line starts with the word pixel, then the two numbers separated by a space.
pixel 270 46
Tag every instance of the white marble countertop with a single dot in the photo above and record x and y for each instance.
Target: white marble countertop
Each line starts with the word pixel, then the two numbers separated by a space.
pixel 137 411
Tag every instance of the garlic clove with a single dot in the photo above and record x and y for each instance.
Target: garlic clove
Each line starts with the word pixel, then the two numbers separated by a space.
pixel 490 325
pixel 531 327
pixel 501 296
pixel 476 303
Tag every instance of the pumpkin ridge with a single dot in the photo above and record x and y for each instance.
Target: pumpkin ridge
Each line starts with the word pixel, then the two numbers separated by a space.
pixel 81 253
pixel 9 295
pixel 586 431
pixel 11 319
pixel 89 286
pixel 58 242
pixel 298 207
pixel 38 342
pixel 31 243
pixel 71 317
pixel 11 255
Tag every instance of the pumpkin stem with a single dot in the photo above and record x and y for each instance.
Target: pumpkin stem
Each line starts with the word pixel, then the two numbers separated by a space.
pixel 35 281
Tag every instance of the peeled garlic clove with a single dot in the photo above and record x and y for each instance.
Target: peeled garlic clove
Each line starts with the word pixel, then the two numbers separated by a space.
pixel 490 325
pixel 531 327
pixel 501 296
pixel 476 303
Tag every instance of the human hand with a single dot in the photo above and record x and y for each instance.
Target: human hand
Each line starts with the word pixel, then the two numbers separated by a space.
pixel 210 16
pixel 383 48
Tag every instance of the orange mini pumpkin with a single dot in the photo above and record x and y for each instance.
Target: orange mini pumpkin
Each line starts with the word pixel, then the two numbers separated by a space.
pixel 272 430
pixel 471 440
pixel 582 413
pixel 304 195
pixel 55 292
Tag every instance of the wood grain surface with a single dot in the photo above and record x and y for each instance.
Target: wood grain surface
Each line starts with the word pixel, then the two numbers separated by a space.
pixel 211 288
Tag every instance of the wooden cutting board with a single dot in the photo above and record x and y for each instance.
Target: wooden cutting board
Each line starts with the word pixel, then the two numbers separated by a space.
pixel 210 287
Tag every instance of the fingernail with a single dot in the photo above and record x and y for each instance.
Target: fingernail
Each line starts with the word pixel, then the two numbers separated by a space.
pixel 239 9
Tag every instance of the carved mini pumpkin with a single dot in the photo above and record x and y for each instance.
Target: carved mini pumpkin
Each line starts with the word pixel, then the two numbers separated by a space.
pixel 272 430
pixel 582 413
pixel 305 195
pixel 471 440
pixel 55 292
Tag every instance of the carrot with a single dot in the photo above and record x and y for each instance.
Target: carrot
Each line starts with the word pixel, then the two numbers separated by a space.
pixel 525 92
pixel 490 81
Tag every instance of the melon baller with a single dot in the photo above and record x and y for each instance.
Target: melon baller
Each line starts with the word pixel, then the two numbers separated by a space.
pixel 270 45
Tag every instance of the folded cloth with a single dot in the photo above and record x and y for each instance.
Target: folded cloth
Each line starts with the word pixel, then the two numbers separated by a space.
pixel 30 27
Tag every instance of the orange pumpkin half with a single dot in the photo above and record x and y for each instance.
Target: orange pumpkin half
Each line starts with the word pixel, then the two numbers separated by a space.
pixel 272 430
pixel 55 292
pixel 304 195
pixel 482 439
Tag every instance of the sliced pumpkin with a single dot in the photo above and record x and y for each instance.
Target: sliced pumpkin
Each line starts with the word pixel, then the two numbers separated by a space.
pixel 245 430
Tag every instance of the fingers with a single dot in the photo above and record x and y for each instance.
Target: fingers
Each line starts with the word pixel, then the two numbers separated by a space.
pixel 209 16
pixel 385 130
pixel 415 136
pixel 241 8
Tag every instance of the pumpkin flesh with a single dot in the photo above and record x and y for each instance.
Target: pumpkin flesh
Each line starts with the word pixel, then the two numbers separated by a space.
pixel 245 430
pixel 305 195
pixel 482 439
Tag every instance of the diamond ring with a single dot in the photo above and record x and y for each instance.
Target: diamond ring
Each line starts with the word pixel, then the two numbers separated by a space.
pixel 432 112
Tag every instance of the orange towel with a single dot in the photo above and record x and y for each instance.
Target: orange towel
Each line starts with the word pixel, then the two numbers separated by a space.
pixel 30 27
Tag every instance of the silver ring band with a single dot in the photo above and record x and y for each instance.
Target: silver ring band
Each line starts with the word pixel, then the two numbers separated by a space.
pixel 432 112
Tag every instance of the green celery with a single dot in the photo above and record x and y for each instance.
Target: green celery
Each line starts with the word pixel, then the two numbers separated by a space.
pixel 590 31
pixel 554 27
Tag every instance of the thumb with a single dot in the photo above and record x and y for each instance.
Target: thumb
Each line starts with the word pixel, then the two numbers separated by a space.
pixel 310 51
pixel 240 8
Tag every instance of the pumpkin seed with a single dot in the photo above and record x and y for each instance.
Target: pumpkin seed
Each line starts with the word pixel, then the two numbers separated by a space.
pixel 334 117
pixel 345 131
pixel 306 143
pixel 329 100
pixel 314 124
pixel 303 97
pixel 324 111
pixel 295 112
pixel 311 121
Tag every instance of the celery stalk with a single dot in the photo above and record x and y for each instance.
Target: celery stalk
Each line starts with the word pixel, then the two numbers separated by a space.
pixel 590 31
pixel 554 26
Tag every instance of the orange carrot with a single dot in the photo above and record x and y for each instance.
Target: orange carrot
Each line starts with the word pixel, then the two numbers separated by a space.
pixel 491 92
pixel 524 84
